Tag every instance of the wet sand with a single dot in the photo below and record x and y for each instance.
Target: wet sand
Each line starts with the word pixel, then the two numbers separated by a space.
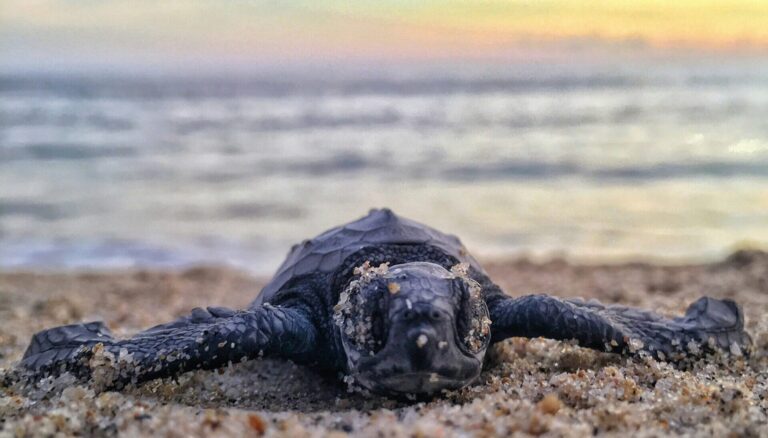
pixel 530 387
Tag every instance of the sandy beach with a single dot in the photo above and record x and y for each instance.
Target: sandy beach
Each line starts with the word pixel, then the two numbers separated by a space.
pixel 531 387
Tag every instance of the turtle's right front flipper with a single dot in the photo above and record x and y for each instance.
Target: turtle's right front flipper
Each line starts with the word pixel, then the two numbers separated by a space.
pixel 199 343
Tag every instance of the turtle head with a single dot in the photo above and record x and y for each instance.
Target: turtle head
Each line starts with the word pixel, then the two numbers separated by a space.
pixel 414 328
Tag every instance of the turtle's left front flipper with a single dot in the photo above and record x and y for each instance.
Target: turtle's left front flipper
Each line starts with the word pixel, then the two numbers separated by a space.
pixel 195 342
pixel 709 324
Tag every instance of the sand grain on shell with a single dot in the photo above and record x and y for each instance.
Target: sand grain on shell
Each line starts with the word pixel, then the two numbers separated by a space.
pixel 531 387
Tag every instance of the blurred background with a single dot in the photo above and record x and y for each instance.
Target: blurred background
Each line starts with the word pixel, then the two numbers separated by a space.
pixel 169 133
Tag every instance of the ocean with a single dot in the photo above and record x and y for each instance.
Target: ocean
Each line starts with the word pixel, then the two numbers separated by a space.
pixel 649 161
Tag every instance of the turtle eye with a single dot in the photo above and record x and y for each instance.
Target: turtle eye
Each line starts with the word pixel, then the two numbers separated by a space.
pixel 359 315
pixel 378 327
pixel 473 323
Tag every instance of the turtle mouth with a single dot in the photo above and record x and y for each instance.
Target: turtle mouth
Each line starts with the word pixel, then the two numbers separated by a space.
pixel 421 382
pixel 389 374
pixel 417 382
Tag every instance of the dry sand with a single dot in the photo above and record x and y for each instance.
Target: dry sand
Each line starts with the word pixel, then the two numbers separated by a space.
pixel 532 387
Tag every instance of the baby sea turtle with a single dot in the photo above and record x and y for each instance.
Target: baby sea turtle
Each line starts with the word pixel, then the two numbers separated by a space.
pixel 394 304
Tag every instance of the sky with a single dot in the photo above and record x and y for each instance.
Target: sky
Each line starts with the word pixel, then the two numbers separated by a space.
pixel 71 34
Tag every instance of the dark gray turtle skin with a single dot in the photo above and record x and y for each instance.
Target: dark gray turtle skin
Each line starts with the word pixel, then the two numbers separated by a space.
pixel 398 306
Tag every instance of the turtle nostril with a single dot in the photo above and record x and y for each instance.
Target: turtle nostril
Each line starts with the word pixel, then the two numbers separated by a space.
pixel 408 315
pixel 435 315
